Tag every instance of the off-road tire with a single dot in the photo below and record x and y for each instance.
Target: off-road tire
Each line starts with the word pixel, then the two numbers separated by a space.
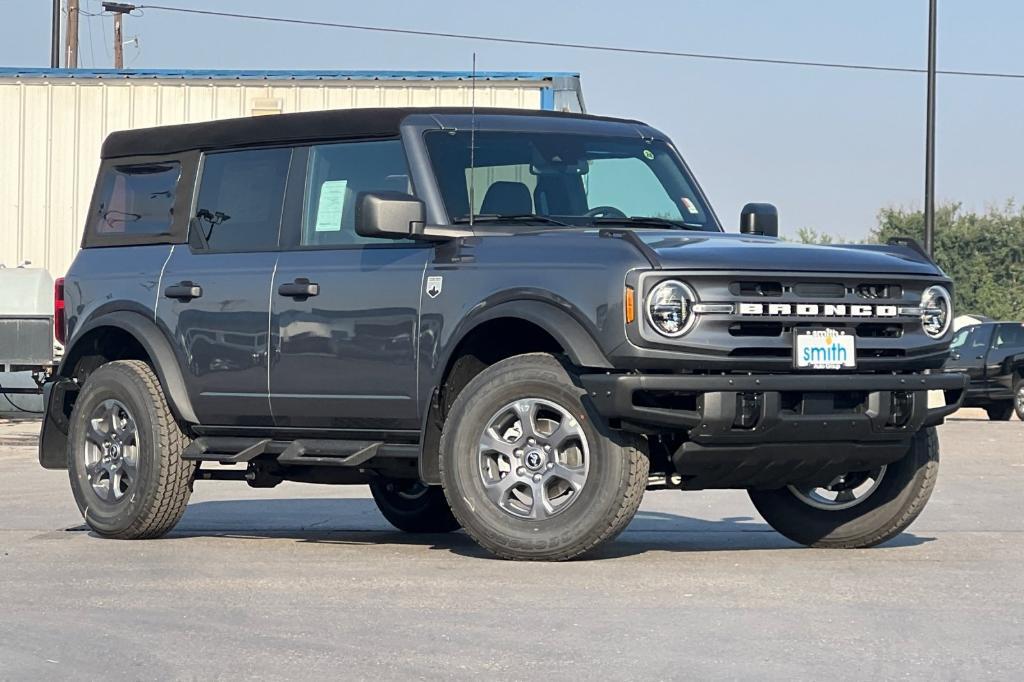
pixel 156 505
pixel 413 507
pixel 900 497
pixel 1018 392
pixel 1000 412
pixel 608 500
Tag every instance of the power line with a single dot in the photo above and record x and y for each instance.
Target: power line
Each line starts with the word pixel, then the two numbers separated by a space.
pixel 582 46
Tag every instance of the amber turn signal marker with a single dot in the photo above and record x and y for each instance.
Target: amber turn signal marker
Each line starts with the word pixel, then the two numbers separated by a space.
pixel 630 302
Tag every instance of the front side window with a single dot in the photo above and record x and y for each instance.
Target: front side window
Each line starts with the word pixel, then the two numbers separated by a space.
pixel 337 174
pixel 241 196
pixel 137 199
pixel 571 178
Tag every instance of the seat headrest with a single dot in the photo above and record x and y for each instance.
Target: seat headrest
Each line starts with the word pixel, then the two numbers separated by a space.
pixel 507 198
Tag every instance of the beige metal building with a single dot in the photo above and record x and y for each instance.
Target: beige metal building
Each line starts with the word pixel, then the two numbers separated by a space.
pixel 52 123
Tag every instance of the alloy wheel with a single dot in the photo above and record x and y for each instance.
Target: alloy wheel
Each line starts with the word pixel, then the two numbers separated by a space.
pixel 843 492
pixel 533 459
pixel 112 451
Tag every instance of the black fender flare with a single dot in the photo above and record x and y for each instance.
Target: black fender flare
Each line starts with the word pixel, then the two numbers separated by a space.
pixel 579 344
pixel 157 347
pixel 54 432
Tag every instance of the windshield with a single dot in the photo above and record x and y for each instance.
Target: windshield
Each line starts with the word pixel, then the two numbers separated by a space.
pixel 565 178
pixel 960 338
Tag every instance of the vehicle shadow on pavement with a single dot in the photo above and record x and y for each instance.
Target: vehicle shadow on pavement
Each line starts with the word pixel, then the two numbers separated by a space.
pixel 356 521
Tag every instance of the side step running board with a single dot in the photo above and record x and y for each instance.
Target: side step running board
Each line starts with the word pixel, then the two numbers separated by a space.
pixel 305 451
pixel 328 453
pixel 219 449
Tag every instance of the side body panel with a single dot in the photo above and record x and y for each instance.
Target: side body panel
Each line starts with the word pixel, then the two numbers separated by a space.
pixel 221 337
pixel 110 279
pixel 346 358
pixel 579 279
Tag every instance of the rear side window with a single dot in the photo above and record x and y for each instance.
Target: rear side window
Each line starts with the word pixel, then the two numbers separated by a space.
pixel 240 200
pixel 1010 336
pixel 136 200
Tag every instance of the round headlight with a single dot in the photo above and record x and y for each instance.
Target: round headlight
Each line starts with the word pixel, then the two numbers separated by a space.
pixel 936 311
pixel 670 308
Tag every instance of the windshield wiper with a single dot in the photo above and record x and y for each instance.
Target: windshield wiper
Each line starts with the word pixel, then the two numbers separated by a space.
pixel 647 221
pixel 517 217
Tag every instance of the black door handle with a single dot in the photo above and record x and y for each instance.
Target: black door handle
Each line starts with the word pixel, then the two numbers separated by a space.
pixel 184 291
pixel 301 288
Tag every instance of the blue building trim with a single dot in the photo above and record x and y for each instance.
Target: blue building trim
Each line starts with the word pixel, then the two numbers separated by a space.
pixel 306 74
pixel 547 99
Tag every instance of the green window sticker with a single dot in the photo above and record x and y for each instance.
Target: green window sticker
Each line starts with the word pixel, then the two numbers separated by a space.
pixel 649 155
pixel 330 206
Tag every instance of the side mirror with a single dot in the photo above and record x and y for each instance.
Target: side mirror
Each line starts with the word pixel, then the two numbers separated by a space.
pixel 761 219
pixel 389 215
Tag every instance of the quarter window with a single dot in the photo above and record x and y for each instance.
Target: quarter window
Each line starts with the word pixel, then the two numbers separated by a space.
pixel 137 199
pixel 337 175
pixel 240 200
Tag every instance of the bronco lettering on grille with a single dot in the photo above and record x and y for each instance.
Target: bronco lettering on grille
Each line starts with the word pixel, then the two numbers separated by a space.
pixel 817 310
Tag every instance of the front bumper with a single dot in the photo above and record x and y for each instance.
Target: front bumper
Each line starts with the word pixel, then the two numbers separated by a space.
pixel 614 395
pixel 771 429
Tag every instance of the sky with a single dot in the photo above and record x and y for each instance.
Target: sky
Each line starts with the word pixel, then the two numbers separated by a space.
pixel 829 148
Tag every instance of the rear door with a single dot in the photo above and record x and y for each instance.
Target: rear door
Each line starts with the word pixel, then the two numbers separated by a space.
pixel 345 308
pixel 1007 345
pixel 215 290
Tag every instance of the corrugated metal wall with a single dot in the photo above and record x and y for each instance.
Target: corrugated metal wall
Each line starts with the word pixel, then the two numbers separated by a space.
pixel 51 130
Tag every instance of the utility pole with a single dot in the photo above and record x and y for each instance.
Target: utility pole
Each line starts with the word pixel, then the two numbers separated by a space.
pixel 118 9
pixel 71 56
pixel 118 42
pixel 55 36
pixel 929 157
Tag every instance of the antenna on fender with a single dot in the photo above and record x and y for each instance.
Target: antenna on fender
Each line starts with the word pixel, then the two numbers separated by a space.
pixel 472 145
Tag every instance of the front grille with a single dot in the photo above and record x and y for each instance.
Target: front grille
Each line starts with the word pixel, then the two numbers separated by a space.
pixel 764 331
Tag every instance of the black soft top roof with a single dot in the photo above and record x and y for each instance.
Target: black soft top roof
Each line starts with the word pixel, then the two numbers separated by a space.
pixel 289 128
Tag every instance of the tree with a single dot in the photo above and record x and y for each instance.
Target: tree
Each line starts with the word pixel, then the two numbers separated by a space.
pixel 808 235
pixel 982 253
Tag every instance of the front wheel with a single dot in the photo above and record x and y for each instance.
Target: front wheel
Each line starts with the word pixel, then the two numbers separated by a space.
pixel 858 509
pixel 528 470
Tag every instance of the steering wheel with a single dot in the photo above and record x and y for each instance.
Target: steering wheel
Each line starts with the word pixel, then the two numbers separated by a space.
pixel 604 212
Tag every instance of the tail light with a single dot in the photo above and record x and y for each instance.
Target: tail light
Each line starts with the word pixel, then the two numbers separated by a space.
pixel 59 317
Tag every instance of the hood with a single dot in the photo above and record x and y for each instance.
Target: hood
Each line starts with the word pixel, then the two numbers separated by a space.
pixel 724 251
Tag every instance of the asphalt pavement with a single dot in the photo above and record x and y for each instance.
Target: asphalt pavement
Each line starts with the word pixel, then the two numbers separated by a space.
pixel 309 582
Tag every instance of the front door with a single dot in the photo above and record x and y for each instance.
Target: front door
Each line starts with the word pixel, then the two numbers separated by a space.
pixel 215 291
pixel 967 354
pixel 345 309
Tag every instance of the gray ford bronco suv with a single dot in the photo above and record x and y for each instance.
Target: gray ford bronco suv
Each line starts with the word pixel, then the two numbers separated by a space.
pixel 510 322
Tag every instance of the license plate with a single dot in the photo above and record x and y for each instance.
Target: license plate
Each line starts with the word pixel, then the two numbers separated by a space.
pixel 824 349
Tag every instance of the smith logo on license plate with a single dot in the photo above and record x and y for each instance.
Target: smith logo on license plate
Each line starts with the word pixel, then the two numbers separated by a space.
pixel 824 349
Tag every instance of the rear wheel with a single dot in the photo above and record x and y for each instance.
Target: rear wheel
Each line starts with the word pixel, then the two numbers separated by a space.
pixel 124 454
pixel 413 506
pixel 859 509
pixel 1001 412
pixel 528 470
